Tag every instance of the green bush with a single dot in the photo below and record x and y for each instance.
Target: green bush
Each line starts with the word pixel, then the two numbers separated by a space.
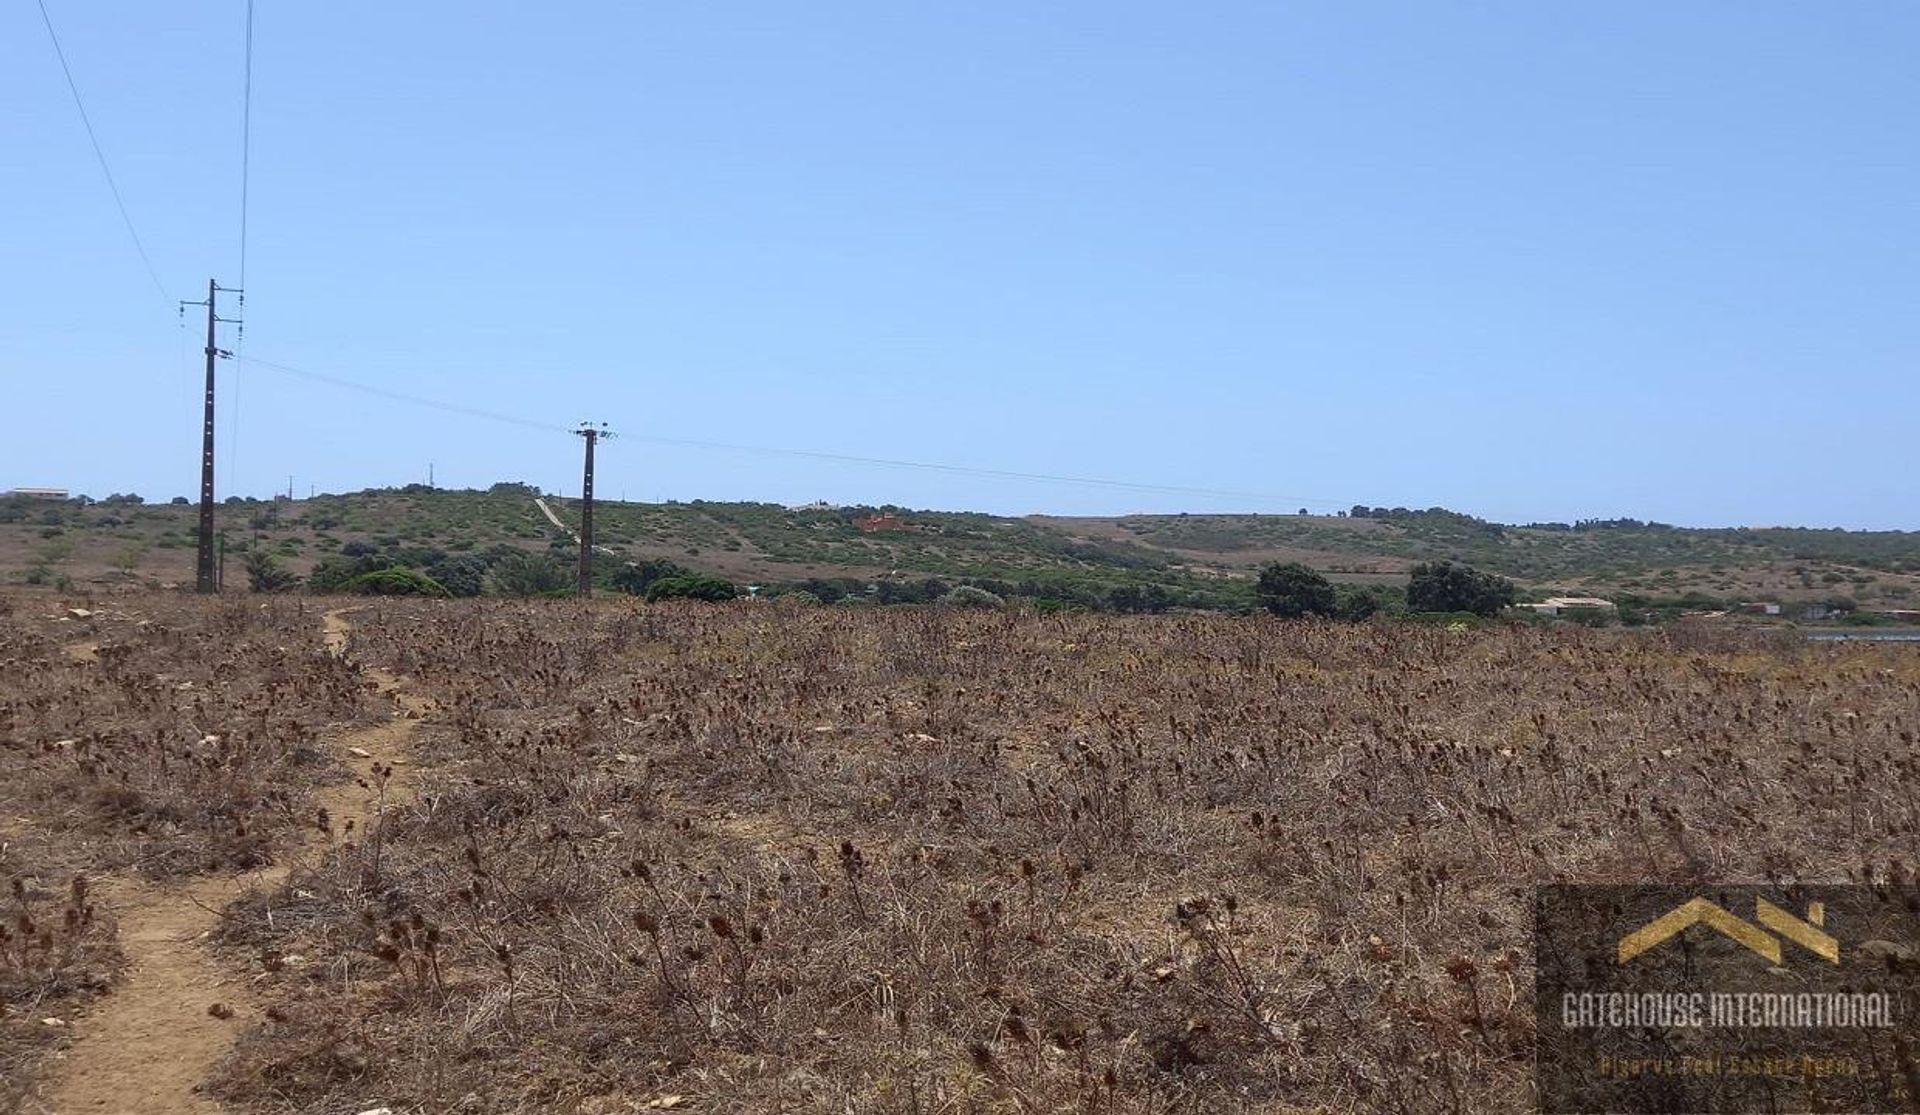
pixel 265 573
pixel 333 573
pixel 966 596
pixel 1442 586
pixel 1292 591
pixel 635 577
pixel 524 574
pixel 691 587
pixel 461 576
pixel 1358 604
pixel 395 581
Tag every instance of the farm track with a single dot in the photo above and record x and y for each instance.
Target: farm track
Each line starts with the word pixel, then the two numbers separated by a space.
pixel 152 1042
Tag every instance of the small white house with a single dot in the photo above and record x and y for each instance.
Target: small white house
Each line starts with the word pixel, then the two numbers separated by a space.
pixel 1556 605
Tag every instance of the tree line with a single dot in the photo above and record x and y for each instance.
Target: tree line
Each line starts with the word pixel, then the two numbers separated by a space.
pixel 1291 590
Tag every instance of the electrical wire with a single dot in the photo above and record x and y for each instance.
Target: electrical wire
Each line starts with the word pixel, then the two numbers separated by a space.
pixel 808 454
pixel 401 396
pixel 232 456
pixel 98 153
pixel 246 144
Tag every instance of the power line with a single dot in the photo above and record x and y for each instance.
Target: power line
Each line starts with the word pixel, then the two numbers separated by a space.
pixel 246 143
pixel 808 454
pixel 98 153
pixel 246 164
pixel 403 397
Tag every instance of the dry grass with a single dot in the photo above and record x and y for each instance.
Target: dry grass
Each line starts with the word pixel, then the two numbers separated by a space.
pixel 157 736
pixel 916 861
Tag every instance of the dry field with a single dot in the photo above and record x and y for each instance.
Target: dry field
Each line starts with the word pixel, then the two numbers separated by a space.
pixel 750 859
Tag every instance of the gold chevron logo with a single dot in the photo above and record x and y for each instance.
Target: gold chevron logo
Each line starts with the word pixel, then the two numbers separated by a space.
pixel 1808 934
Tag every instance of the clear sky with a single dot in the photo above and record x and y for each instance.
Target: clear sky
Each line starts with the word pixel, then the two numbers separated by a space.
pixel 1527 260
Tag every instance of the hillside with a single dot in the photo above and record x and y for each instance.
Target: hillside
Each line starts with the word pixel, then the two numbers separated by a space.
pixel 1199 559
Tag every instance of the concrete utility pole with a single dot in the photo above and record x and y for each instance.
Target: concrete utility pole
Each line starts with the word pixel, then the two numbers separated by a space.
pixel 593 434
pixel 207 573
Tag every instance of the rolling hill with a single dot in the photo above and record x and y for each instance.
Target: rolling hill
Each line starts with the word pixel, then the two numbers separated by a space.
pixel 1205 560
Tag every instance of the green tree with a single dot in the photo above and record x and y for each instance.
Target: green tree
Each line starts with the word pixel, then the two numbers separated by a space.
pixel 265 573
pixel 524 574
pixel 395 580
pixel 464 575
pixel 1442 586
pixel 691 587
pixel 1292 590
pixel 1357 604
pixel 333 573
pixel 635 577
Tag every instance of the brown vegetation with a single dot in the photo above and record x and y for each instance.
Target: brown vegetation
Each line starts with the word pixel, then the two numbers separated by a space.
pixel 758 858
pixel 155 739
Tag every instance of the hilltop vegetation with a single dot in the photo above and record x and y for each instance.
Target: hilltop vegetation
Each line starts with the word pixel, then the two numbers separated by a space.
pixel 1132 563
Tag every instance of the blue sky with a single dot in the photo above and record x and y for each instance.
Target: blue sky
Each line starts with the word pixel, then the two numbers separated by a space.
pixel 1533 261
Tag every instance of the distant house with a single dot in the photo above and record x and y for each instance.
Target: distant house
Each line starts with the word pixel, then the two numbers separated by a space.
pixel 1760 608
pixel 880 520
pixel 37 493
pixel 816 505
pixel 1815 611
pixel 1560 605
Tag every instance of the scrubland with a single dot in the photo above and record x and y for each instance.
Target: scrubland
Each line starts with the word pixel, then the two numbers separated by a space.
pixel 758 858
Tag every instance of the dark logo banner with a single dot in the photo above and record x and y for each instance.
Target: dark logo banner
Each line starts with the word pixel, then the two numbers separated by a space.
pixel 1728 998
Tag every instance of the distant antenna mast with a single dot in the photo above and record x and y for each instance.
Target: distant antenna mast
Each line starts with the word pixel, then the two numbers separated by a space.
pixel 593 434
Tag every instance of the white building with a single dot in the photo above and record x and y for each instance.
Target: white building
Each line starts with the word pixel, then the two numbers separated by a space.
pixel 1555 605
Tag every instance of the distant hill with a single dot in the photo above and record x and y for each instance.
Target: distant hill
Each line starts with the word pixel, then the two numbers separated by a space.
pixel 1203 560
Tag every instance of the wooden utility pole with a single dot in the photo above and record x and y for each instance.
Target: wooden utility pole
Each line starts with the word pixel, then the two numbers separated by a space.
pixel 207 573
pixel 593 434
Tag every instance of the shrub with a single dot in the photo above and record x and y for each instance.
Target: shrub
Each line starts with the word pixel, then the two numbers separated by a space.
pixel 635 577
pixel 1292 591
pixel 966 596
pixel 461 576
pixel 333 573
pixel 266 574
pixel 691 587
pixel 395 581
pixel 1358 604
pixel 523 574
pixel 1442 586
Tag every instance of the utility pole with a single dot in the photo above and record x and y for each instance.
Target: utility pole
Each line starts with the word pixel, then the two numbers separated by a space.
pixel 207 572
pixel 593 434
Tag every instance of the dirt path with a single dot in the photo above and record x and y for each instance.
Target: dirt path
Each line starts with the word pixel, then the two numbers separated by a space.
pixel 150 1044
